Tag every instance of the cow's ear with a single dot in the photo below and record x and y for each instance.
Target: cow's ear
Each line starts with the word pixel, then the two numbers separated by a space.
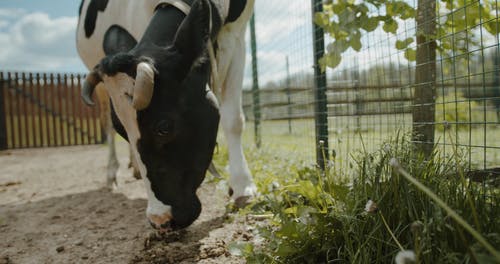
pixel 193 33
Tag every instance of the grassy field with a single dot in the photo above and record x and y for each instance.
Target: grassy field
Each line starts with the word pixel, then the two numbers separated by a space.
pixel 363 210
pixel 480 144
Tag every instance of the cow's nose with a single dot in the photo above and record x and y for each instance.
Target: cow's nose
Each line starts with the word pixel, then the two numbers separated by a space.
pixel 165 227
pixel 162 222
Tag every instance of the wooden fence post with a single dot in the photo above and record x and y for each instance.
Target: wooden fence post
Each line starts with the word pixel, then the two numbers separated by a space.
pixel 3 126
pixel 496 82
pixel 424 98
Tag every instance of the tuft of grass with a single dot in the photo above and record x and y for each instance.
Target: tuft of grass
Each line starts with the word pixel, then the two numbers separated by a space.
pixel 323 217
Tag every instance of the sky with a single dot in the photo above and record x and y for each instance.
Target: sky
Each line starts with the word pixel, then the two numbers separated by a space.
pixel 39 35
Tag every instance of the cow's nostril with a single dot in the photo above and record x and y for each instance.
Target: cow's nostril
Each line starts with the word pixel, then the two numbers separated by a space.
pixel 166 225
pixel 153 225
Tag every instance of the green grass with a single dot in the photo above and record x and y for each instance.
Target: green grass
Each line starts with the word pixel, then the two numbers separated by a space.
pixel 345 139
pixel 320 217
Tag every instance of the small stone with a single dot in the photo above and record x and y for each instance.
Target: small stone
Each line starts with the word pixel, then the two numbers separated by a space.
pixel 85 257
pixel 5 260
pixel 60 249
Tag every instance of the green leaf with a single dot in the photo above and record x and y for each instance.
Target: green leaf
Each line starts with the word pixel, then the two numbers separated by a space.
pixel 338 8
pixel 411 54
pixel 369 24
pixel 337 46
pixel 389 7
pixel 332 60
pixel 390 26
pixel 240 248
pixel 400 9
pixel 321 19
pixel 355 42
pixel 285 248
pixel 400 44
pixel 340 192
pixel 290 210
pixel 403 44
pixel 493 27
pixel 306 188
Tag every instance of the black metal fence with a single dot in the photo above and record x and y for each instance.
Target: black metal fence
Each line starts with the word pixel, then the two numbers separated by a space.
pixel 448 94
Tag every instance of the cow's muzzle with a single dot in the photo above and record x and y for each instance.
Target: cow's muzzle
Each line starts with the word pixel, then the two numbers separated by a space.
pixel 162 223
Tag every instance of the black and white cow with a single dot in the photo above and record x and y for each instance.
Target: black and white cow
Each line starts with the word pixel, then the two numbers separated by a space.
pixel 151 56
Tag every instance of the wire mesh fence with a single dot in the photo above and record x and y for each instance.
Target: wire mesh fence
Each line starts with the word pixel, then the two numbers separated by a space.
pixel 382 89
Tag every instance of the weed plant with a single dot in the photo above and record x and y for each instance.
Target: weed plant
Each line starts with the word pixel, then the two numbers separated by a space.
pixel 370 212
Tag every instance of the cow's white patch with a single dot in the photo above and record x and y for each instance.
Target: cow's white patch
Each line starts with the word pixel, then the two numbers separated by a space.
pixel 231 63
pixel 118 87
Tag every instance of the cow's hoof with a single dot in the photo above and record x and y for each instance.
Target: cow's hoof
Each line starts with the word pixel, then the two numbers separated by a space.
pixel 244 197
pixel 111 184
pixel 242 201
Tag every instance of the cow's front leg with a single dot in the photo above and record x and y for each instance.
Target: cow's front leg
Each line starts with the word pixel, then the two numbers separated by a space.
pixel 134 165
pixel 233 122
pixel 105 118
pixel 113 164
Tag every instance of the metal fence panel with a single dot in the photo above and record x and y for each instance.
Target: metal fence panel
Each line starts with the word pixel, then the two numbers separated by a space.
pixel 377 92
pixel 45 110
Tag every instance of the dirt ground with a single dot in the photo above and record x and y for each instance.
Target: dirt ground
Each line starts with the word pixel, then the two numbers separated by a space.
pixel 54 209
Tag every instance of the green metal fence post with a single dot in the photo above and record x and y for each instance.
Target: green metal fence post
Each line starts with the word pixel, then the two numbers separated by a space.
pixel 255 84
pixel 321 111
pixel 288 95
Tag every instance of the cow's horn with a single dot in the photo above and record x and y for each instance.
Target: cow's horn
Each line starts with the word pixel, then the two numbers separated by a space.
pixel 144 84
pixel 89 85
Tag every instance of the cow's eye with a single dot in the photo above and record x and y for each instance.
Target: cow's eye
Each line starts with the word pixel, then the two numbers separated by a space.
pixel 164 128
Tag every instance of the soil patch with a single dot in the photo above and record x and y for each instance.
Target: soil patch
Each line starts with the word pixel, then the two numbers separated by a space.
pixel 53 209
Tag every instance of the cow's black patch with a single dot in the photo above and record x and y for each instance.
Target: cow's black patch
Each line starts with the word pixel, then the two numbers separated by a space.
pixel 80 8
pixel 117 124
pixel 91 16
pixel 121 62
pixel 236 7
pixel 117 39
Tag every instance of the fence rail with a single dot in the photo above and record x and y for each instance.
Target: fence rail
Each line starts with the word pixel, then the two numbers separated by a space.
pixel 45 110
pixel 366 99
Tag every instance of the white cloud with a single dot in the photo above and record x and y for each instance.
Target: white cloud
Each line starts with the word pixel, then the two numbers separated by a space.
pixel 283 29
pixel 273 26
pixel 3 23
pixel 11 12
pixel 37 42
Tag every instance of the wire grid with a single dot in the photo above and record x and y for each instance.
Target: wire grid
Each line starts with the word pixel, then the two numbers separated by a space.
pixel 370 92
pixel 285 74
pixel 467 108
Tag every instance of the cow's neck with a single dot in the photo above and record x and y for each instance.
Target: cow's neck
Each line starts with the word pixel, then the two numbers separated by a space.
pixel 163 26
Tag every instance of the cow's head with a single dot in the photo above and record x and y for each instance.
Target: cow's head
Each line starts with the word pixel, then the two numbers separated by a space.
pixel 162 107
